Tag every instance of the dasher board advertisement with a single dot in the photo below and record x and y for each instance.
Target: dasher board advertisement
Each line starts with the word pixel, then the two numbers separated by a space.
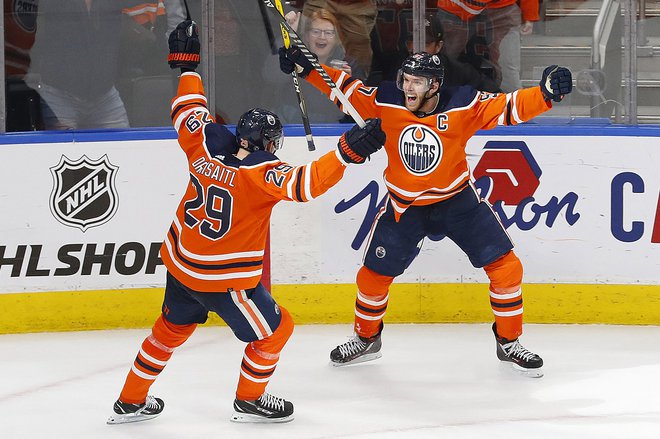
pixel 91 215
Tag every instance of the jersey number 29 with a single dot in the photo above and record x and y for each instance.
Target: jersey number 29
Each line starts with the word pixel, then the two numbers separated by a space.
pixel 218 205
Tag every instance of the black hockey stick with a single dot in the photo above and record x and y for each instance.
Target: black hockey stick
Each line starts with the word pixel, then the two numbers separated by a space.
pixel 295 39
pixel 265 17
pixel 296 85
pixel 185 3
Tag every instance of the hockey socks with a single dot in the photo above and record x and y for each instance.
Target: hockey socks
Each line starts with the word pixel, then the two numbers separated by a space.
pixel 371 301
pixel 152 358
pixel 260 359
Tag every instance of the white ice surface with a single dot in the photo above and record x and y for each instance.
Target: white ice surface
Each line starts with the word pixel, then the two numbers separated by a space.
pixel 434 381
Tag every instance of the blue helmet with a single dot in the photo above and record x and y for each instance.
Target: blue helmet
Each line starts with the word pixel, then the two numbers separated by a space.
pixel 422 64
pixel 259 130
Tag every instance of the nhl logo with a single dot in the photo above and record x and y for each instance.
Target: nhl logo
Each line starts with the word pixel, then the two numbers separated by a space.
pixel 84 193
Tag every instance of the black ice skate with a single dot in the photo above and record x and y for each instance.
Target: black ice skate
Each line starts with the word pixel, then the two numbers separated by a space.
pixel 528 363
pixel 356 350
pixel 125 412
pixel 267 408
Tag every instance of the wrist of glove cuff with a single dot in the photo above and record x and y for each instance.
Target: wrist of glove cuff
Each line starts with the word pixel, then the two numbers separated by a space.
pixel 293 58
pixel 183 60
pixel 347 153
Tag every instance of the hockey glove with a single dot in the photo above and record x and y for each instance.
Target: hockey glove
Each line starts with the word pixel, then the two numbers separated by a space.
pixel 556 82
pixel 294 58
pixel 359 143
pixel 184 47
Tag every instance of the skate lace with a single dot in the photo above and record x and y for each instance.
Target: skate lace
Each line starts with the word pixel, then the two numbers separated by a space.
pixel 272 402
pixel 150 403
pixel 517 350
pixel 352 346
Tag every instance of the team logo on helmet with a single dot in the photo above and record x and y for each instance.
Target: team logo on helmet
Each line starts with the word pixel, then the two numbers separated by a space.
pixel 84 193
pixel 270 119
pixel 420 149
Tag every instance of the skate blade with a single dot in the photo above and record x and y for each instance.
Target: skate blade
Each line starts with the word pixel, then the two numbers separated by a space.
pixel 362 359
pixel 529 373
pixel 125 419
pixel 256 419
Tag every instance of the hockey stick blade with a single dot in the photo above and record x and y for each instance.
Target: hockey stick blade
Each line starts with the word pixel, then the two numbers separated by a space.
pixel 296 86
pixel 296 40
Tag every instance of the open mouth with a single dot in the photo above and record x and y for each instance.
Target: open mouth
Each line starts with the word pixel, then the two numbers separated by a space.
pixel 321 45
pixel 411 99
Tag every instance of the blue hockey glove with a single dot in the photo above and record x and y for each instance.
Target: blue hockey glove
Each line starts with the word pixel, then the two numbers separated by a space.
pixel 184 47
pixel 556 82
pixel 359 143
pixel 294 58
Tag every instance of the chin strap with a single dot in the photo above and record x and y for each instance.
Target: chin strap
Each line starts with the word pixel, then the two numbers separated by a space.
pixel 424 114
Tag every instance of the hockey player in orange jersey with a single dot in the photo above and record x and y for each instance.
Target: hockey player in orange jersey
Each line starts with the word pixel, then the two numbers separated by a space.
pixel 214 248
pixel 430 191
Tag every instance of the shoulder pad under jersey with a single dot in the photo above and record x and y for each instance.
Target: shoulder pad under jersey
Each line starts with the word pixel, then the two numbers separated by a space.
pixel 456 97
pixel 388 93
pixel 219 140
pixel 258 157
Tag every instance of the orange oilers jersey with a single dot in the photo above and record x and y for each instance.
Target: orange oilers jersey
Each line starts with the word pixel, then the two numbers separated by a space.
pixel 426 155
pixel 217 240
pixel 146 12
pixel 468 9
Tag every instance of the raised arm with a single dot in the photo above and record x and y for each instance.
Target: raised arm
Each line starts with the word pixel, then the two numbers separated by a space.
pixel 524 104
pixel 359 95
pixel 306 182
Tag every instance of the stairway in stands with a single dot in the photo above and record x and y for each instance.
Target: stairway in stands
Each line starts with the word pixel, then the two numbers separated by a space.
pixel 564 36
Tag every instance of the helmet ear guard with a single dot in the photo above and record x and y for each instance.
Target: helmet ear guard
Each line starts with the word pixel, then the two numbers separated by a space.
pixel 259 130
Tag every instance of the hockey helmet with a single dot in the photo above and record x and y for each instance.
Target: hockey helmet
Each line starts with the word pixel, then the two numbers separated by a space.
pixel 422 64
pixel 257 128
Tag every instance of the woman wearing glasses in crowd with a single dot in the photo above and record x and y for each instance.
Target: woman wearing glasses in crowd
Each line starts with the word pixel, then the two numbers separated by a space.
pixel 321 37
pixel 319 33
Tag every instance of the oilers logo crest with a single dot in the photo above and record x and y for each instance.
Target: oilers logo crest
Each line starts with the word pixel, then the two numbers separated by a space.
pixel 84 193
pixel 420 149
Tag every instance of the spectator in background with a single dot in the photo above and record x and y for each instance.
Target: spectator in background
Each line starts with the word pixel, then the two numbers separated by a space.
pixel 75 56
pixel 143 81
pixel 509 20
pixel 457 71
pixel 488 33
pixel 145 28
pixel 356 20
pixel 22 102
pixel 319 33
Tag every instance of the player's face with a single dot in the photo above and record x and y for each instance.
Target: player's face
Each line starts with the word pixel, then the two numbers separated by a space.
pixel 414 88
pixel 322 38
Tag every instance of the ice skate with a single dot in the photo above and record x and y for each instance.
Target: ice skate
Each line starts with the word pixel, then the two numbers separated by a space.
pixel 266 409
pixel 356 350
pixel 527 363
pixel 125 412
